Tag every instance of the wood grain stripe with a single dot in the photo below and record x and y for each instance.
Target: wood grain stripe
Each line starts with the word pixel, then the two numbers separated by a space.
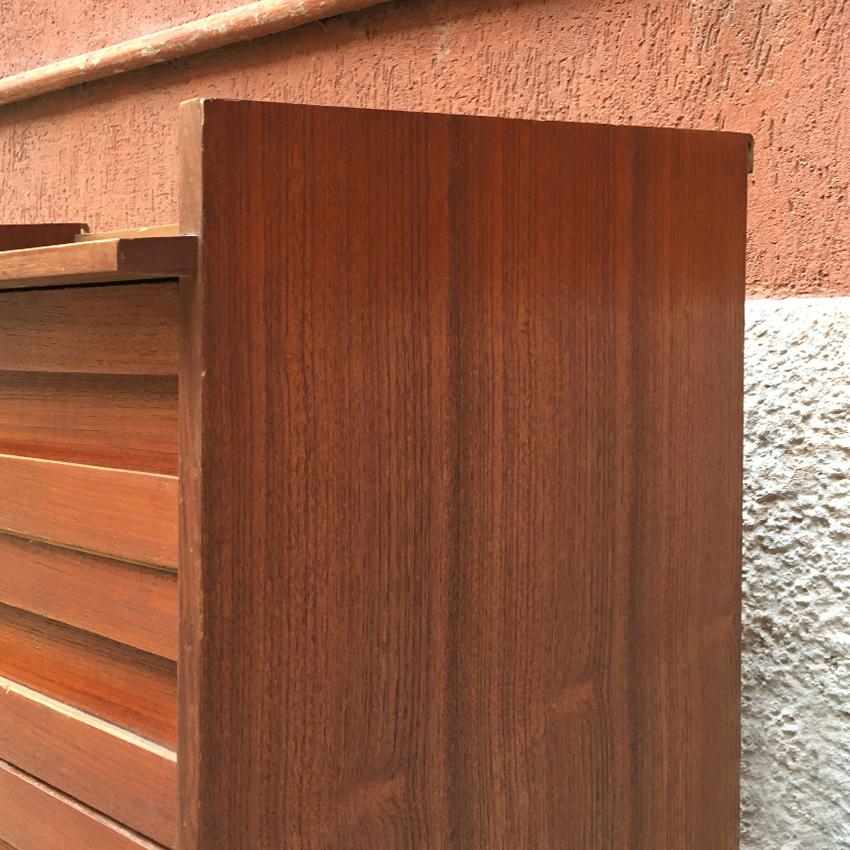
pixel 120 513
pixel 98 764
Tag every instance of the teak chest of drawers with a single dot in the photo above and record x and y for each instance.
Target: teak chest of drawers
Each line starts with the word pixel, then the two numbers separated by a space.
pixel 438 421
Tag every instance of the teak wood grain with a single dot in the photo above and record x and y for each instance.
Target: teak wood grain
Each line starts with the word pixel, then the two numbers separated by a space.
pixel 133 605
pixel 121 421
pixel 121 513
pixel 128 688
pixel 16 236
pixel 127 329
pixel 96 763
pixel 99 261
pixel 461 474
pixel 36 817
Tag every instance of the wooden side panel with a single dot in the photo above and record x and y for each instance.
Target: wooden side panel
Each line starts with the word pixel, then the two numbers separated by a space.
pixel 123 421
pixel 128 329
pixel 131 689
pixel 35 817
pixel 461 483
pixel 133 605
pixel 96 763
pixel 124 514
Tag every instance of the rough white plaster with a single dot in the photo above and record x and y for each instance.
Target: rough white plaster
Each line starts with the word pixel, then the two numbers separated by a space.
pixel 796 664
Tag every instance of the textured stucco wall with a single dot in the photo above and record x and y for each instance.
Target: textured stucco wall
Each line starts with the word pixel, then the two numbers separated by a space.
pixel 779 69
pixel 796 688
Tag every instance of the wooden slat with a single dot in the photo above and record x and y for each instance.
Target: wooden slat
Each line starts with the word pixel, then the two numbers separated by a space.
pixel 461 477
pixel 120 513
pixel 16 236
pixel 130 329
pixel 35 817
pixel 136 606
pixel 118 774
pixel 99 261
pixel 131 689
pixel 122 421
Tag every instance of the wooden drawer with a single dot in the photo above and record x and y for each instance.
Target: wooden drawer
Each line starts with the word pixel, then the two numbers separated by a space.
pixel 126 603
pixel 127 687
pixel 34 816
pixel 88 564
pixel 118 513
pixel 120 421
pixel 101 330
pixel 121 775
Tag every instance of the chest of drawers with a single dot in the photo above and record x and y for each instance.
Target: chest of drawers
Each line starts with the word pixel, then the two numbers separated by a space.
pixel 436 423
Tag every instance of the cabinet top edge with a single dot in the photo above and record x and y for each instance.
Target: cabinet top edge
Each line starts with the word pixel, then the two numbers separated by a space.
pixel 202 105
pixel 98 261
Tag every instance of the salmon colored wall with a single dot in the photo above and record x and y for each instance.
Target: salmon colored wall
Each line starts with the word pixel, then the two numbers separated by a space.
pixel 106 152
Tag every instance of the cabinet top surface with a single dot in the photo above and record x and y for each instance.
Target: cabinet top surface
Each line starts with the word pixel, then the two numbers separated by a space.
pixel 98 261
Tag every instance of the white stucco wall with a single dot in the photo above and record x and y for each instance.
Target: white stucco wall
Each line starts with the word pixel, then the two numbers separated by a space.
pixel 796 665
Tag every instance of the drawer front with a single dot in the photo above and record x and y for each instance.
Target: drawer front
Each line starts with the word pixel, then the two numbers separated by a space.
pixel 120 513
pixel 121 421
pixel 129 604
pixel 96 763
pixel 34 816
pixel 88 567
pixel 104 330
pixel 132 689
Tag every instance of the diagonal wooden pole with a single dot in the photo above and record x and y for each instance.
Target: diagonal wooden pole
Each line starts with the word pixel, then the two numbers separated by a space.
pixel 243 23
